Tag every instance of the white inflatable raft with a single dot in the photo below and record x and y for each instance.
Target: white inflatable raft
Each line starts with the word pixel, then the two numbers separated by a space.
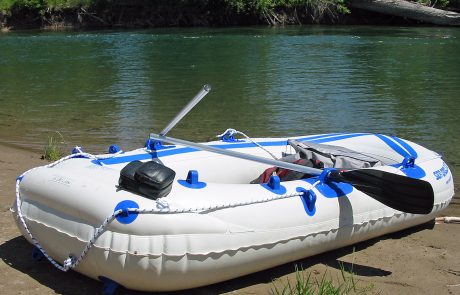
pixel 213 225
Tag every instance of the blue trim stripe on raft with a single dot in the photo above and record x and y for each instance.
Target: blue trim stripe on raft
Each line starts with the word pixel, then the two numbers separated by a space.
pixel 340 137
pixel 170 152
pixel 405 150
pixel 405 145
pixel 393 145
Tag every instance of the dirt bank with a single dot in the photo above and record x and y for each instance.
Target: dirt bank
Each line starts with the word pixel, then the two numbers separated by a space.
pixel 422 260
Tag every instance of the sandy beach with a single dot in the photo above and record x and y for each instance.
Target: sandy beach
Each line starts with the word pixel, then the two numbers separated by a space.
pixel 421 260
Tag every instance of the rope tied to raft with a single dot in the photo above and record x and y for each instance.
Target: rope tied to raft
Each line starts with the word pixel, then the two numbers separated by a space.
pixel 162 206
pixel 230 132
pixel 70 262
pixel 78 151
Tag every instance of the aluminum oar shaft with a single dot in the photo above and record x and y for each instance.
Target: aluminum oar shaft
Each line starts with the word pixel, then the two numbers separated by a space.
pixel 206 88
pixel 239 155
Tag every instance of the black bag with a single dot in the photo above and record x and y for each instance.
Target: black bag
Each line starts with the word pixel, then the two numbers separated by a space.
pixel 150 179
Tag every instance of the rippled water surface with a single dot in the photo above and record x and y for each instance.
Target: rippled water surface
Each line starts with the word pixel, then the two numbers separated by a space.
pixel 99 88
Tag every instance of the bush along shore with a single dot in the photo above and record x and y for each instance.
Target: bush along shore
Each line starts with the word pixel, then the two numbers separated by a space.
pixel 32 14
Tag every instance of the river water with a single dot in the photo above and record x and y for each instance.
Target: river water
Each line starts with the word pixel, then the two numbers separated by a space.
pixel 97 88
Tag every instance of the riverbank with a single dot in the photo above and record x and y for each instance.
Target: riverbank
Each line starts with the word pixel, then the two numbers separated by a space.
pixel 422 260
pixel 84 14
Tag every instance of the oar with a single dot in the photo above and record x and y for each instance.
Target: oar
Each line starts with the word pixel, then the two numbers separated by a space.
pixel 206 88
pixel 396 191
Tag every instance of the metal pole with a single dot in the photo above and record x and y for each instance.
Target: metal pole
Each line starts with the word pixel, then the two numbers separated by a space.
pixel 206 88
pixel 239 155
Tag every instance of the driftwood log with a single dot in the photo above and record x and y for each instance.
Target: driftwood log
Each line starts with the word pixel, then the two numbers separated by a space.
pixel 410 10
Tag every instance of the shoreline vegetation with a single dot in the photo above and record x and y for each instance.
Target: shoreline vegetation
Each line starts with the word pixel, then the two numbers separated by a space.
pixel 81 14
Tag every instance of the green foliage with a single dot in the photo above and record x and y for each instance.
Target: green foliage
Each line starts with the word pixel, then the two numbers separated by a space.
pixel 306 285
pixel 315 8
pixel 6 5
pixel 52 151
pixel 21 4
pixel 62 4
pixel 246 6
pixel 40 5
pixel 269 9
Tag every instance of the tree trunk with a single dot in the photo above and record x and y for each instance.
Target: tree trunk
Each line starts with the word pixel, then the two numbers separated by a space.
pixel 410 10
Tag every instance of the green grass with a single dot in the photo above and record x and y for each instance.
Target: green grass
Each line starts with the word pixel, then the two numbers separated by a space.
pixel 52 151
pixel 305 284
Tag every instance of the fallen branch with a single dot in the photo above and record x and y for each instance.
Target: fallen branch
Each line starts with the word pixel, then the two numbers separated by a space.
pixel 91 15
pixel 447 219
pixel 410 10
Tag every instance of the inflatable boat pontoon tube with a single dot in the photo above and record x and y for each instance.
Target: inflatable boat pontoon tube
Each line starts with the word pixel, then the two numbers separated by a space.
pixel 213 225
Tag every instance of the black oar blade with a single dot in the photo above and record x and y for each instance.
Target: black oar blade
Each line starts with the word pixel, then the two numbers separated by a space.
pixel 398 192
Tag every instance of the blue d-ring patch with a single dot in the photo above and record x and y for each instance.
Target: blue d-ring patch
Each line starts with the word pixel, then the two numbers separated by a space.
pixel 274 185
pixel 192 180
pixel 409 168
pixel 126 217
pixel 413 172
pixel 308 200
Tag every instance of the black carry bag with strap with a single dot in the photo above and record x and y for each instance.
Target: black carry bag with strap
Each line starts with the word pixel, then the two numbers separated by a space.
pixel 150 179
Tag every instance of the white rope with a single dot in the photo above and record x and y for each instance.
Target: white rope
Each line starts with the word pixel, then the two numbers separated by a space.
pixel 231 131
pixel 80 152
pixel 162 207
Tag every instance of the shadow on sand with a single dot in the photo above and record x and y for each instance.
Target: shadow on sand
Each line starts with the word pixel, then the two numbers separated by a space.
pixel 17 254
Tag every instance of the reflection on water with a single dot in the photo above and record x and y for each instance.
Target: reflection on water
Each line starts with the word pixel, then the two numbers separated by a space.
pixel 99 88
